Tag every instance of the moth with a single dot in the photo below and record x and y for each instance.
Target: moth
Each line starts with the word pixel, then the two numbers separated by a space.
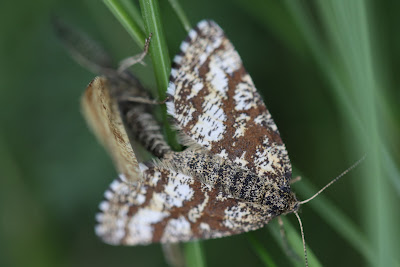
pixel 233 177
pixel 115 104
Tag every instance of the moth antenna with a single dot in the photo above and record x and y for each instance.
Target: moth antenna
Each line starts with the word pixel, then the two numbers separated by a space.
pixel 333 181
pixel 302 237
pixel 130 61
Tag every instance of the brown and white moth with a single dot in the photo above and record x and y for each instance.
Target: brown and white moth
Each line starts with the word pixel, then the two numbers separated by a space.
pixel 234 175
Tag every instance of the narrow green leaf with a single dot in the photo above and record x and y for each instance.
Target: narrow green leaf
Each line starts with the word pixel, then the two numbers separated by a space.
pixel 133 12
pixel 335 218
pixel 129 17
pixel 294 241
pixel 181 14
pixel 260 250
pixel 160 58
pixel 274 16
pixel 158 48
pixel 194 254
pixel 348 26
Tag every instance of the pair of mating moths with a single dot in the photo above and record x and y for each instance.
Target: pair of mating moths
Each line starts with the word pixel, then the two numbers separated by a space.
pixel 234 175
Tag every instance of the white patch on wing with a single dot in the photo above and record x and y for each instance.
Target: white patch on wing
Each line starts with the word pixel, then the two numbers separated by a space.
pixel 140 226
pixel 184 46
pixel 223 154
pixel 192 34
pixel 268 158
pixel 202 58
pixel 140 199
pixel 233 216
pixel 177 230
pixel 243 97
pixel 171 88
pixel 171 108
pixel 178 59
pixel 108 194
pixel 228 59
pixel 143 167
pixel 242 161
pixel 99 217
pixel 205 227
pixel 217 78
pixel 196 87
pixel 241 125
pixel 122 177
pixel 177 191
pixel 210 126
pixel 197 211
pixel 174 73
pixel 266 119
pixel 104 206
pixel 202 24
pixel 114 185
pixel 116 236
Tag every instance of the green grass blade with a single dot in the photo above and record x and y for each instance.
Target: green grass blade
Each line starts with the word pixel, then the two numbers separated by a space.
pixel 160 58
pixel 295 242
pixel 260 250
pixel 194 254
pixel 129 17
pixel 347 24
pixel 158 47
pixel 391 170
pixel 133 12
pixel 335 218
pixel 181 14
pixel 316 48
pixel 273 15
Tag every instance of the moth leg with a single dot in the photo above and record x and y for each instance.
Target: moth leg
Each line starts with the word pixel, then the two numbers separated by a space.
pixel 288 249
pixel 130 61
pixel 295 179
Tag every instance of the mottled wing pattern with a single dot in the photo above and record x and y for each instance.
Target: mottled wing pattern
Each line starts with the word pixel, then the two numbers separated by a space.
pixel 102 114
pixel 171 207
pixel 216 105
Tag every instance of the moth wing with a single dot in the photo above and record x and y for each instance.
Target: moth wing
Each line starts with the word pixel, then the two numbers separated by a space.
pixel 101 113
pixel 216 105
pixel 169 207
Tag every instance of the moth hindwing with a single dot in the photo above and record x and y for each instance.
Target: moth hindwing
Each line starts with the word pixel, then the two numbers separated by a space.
pixel 234 175
pixel 101 112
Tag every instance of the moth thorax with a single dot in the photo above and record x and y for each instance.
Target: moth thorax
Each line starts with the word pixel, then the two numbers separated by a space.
pixel 279 199
pixel 293 204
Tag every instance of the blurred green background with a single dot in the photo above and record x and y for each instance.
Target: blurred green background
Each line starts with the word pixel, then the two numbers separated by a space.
pixel 327 71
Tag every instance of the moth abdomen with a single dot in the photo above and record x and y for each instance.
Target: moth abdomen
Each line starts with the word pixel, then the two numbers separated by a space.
pixel 145 129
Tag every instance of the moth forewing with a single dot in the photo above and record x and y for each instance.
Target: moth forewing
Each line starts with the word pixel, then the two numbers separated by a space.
pixel 101 112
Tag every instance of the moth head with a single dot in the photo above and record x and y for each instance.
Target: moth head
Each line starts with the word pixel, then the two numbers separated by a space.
pixel 293 204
